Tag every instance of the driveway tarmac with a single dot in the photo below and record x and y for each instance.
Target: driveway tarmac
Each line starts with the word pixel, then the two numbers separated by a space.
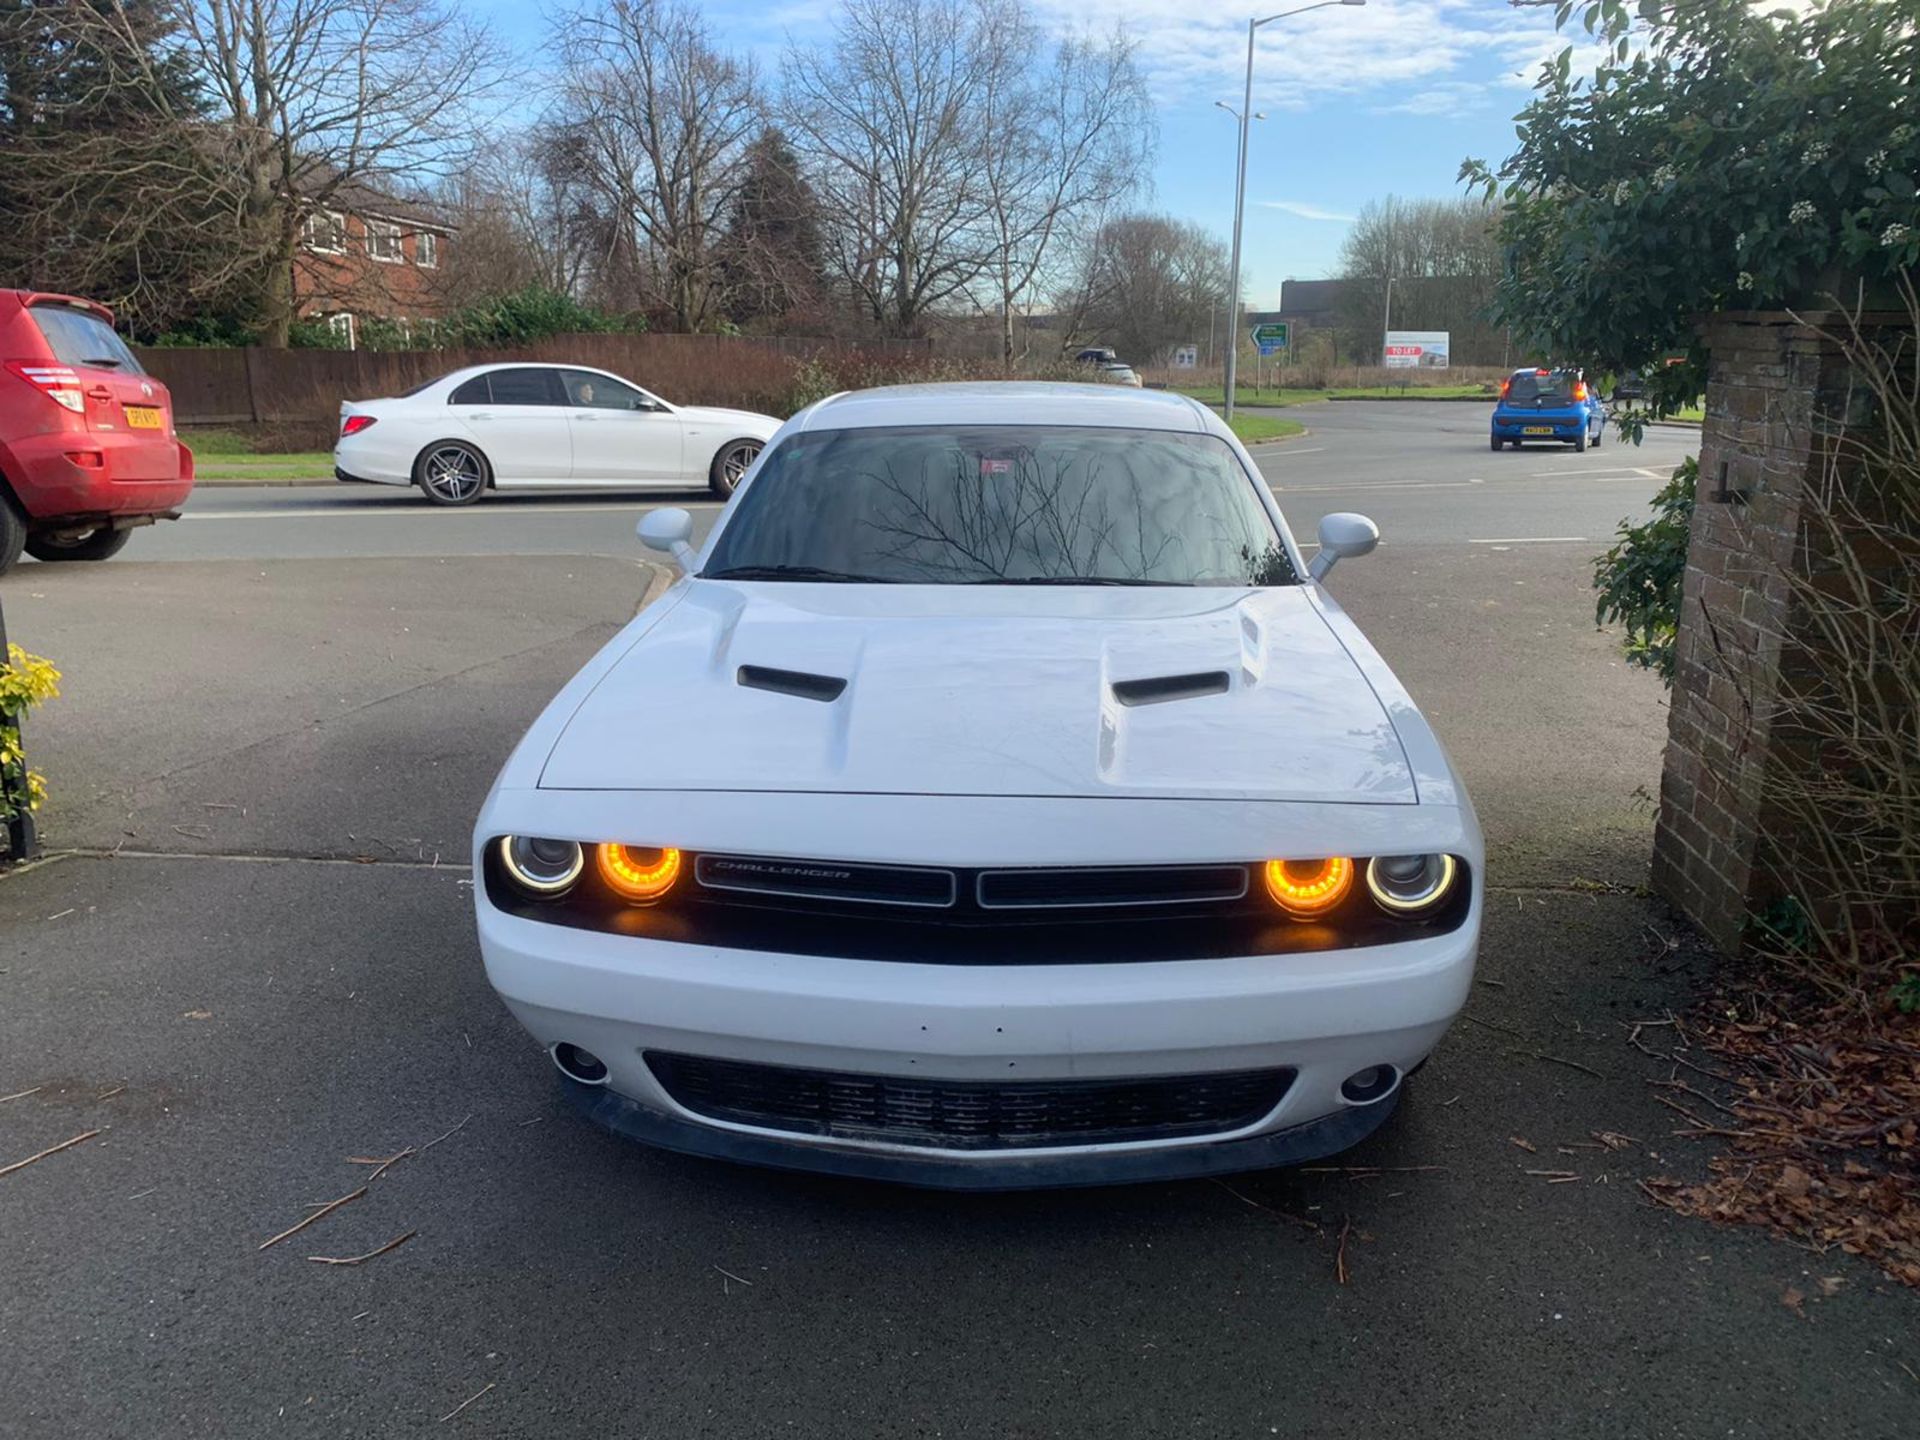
pixel 278 966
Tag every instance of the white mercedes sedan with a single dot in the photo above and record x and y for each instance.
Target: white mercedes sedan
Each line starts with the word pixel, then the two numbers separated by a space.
pixel 997 799
pixel 507 427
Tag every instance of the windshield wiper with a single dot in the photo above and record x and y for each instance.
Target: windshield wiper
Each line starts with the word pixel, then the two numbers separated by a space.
pixel 106 360
pixel 796 572
pixel 1073 580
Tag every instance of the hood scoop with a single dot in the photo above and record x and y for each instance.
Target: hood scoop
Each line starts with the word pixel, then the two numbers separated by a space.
pixel 1160 689
pixel 798 683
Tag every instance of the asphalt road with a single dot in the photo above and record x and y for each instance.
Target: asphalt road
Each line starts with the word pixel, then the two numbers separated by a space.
pixel 258 964
pixel 1422 470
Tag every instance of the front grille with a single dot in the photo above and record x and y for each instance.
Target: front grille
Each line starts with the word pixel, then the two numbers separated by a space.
pixel 1034 889
pixel 968 1114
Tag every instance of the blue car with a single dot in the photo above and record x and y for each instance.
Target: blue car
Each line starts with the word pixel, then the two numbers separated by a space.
pixel 1555 405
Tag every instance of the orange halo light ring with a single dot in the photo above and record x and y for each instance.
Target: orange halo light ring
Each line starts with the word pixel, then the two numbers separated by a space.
pixel 1308 889
pixel 637 873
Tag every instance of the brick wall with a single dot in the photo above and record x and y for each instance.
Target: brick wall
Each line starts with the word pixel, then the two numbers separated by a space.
pixel 1778 392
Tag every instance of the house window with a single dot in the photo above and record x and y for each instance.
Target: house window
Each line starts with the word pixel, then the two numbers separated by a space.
pixel 326 231
pixel 341 324
pixel 383 240
pixel 426 250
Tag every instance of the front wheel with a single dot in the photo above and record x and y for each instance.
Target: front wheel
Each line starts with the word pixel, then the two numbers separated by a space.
pixel 101 544
pixel 450 472
pixel 731 464
pixel 1597 435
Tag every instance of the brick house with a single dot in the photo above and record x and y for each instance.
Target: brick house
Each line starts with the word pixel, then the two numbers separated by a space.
pixel 364 256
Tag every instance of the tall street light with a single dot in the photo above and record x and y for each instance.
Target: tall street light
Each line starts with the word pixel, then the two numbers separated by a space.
pixel 1240 190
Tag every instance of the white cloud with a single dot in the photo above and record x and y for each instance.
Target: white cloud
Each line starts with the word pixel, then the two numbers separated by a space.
pixel 1448 97
pixel 1304 211
pixel 1194 55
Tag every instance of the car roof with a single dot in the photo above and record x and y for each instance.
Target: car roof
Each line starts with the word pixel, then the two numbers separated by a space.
pixel 1012 402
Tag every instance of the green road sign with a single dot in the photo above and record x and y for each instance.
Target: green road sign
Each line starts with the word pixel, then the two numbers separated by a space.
pixel 1271 338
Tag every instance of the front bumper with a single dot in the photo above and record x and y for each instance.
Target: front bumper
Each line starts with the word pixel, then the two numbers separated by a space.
pixel 1326 1016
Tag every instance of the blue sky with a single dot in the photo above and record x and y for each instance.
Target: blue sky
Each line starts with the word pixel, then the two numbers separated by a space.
pixel 1361 102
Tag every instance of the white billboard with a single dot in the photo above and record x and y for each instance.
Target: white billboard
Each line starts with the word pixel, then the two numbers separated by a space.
pixel 1186 357
pixel 1416 349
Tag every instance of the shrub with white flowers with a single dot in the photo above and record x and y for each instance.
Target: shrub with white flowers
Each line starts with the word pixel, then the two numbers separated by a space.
pixel 1648 192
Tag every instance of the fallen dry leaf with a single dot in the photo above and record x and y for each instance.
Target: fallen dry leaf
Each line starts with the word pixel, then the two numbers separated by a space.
pixel 1526 1145
pixel 197 1015
pixel 1793 1300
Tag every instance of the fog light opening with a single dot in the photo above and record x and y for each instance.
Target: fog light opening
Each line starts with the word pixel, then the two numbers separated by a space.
pixel 1375 1083
pixel 581 1065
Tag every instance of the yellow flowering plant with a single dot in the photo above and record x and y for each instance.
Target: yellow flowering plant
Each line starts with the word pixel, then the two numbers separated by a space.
pixel 25 681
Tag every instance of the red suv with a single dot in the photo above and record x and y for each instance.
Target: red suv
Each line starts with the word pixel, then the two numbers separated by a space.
pixel 87 449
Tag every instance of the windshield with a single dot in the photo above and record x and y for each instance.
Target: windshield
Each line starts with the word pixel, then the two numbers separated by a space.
pixel 1009 505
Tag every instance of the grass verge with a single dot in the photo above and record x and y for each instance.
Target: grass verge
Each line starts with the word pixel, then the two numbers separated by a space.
pixel 1247 395
pixel 1252 429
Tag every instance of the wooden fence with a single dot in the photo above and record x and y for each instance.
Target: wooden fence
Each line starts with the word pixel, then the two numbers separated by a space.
pixel 305 387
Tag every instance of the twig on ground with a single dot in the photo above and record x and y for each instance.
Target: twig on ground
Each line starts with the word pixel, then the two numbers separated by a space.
pixel 50 1150
pixel 21 1094
pixel 438 1138
pixel 1554 1177
pixel 466 1402
pixel 109 1094
pixel 1559 1060
pixel 393 1244
pixel 1490 1025
pixel 1340 1255
pixel 381 1162
pixel 323 1211
pixel 64 913
pixel 731 1276
pixel 1270 1209
pixel 1686 1089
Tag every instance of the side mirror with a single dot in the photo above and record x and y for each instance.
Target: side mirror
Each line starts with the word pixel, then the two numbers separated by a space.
pixel 671 530
pixel 1342 534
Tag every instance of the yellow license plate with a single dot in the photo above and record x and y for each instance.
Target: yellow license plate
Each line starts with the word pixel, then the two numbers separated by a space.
pixel 1537 430
pixel 145 417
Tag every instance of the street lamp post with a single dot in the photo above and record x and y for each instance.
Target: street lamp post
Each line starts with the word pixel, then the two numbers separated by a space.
pixel 1245 115
pixel 1386 324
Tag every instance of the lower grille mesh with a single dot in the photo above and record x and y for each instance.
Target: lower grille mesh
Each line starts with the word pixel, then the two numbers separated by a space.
pixel 964 1114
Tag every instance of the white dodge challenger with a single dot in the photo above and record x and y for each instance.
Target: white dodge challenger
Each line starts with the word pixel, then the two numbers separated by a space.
pixel 997 799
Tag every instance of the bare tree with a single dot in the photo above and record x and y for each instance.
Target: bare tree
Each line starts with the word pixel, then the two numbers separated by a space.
pixel 1148 284
pixel 892 120
pixel 526 221
pixel 1445 260
pixel 659 120
pixel 304 102
pixel 1065 143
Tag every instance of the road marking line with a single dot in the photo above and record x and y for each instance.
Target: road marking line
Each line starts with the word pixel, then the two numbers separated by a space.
pixel 1534 540
pixel 1590 471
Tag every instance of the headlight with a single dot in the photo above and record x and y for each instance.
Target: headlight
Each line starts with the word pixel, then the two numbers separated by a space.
pixel 1308 889
pixel 541 867
pixel 636 873
pixel 1410 884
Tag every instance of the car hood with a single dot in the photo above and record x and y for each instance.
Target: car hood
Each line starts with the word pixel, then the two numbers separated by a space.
pixel 994 690
pixel 743 422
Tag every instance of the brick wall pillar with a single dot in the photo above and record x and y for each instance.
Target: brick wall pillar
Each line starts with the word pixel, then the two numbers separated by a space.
pixel 1778 390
